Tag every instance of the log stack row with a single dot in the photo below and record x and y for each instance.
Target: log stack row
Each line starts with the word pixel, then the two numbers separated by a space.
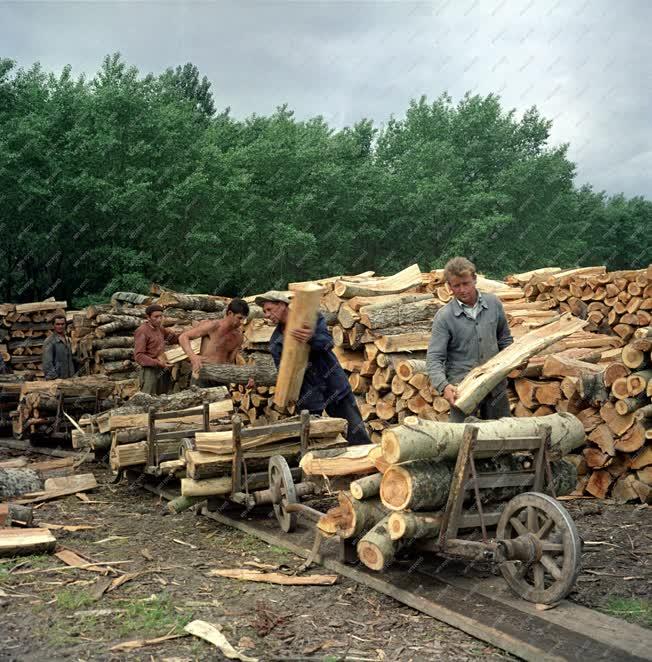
pixel 45 408
pixel 23 330
pixel 402 485
pixel 617 302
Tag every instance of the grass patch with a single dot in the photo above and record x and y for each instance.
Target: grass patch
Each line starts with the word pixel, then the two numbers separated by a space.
pixel 71 599
pixel 634 610
pixel 151 617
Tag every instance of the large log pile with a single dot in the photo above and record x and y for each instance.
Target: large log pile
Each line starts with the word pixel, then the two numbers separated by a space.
pixel 400 500
pixel 23 330
pixel 41 406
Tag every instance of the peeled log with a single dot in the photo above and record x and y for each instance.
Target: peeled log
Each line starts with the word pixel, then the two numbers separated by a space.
pixel 419 439
pixel 264 374
pixel 481 380
pixel 367 487
pixel 294 358
pixel 411 526
pixel 377 549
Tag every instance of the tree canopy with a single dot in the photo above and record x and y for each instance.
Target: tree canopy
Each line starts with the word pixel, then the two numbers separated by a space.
pixel 111 183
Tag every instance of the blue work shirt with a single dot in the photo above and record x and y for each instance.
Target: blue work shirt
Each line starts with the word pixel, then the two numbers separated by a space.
pixel 324 380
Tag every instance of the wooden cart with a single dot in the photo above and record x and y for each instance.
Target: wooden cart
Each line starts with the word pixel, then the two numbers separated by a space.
pixel 535 542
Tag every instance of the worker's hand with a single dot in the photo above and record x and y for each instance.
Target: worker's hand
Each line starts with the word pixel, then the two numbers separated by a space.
pixel 450 393
pixel 196 362
pixel 164 364
pixel 302 335
pixel 251 384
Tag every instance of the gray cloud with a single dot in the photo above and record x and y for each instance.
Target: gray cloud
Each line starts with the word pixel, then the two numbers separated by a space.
pixel 584 64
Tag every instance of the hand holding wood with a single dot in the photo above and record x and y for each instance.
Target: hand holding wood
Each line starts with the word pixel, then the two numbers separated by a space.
pixel 450 393
pixel 302 335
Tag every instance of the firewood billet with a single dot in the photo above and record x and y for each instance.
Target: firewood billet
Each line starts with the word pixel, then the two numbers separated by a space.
pixel 420 439
pixel 420 484
pixel 294 358
pixel 11 513
pixel 412 526
pixel 366 487
pixel 376 548
pixel 481 380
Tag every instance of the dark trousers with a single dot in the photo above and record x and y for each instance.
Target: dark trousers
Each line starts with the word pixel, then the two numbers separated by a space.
pixel 347 408
pixel 154 381
pixel 495 405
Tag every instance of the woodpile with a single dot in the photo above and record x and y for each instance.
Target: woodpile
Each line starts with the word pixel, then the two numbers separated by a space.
pixel 122 432
pixel 45 408
pixel 381 340
pixel 209 460
pixel 399 500
pixel 23 330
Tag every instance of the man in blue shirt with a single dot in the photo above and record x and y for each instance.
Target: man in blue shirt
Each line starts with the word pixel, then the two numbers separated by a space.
pixel 325 386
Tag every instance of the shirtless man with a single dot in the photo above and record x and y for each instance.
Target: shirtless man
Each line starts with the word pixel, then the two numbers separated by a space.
pixel 221 339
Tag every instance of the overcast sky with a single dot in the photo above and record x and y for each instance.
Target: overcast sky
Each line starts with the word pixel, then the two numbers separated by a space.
pixel 586 65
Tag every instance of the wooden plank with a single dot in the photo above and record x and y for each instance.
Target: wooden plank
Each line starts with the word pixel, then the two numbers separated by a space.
pixel 14 542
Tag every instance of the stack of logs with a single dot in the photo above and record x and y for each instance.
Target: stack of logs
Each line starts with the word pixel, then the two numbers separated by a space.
pixel 104 334
pixel 43 407
pixel 618 301
pixel 122 431
pixel 381 340
pixel 23 330
pixel 208 461
pixel 399 502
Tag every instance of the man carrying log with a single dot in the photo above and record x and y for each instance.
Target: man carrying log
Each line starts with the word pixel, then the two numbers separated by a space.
pixel 325 386
pixel 57 352
pixel 466 332
pixel 150 338
pixel 221 339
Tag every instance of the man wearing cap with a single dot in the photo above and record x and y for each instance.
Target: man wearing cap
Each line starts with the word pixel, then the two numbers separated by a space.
pixel 325 386
pixel 150 339
pixel 221 339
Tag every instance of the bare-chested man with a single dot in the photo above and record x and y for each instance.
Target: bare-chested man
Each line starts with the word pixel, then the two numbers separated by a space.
pixel 221 339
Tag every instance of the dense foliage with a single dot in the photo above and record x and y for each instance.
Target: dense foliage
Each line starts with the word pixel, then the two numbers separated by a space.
pixel 111 183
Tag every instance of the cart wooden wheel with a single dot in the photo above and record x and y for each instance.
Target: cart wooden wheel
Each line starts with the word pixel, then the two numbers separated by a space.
pixel 551 577
pixel 283 491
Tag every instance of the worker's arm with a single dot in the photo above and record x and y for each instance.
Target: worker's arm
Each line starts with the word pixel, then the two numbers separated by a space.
pixel 436 358
pixel 199 331
pixel 140 351
pixel 319 339
pixel 503 334
pixel 49 368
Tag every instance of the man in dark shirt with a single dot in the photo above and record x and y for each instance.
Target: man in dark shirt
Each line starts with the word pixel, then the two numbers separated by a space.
pixel 149 345
pixel 324 386
pixel 57 352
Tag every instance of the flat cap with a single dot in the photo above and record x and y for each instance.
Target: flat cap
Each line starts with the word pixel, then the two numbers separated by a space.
pixel 272 295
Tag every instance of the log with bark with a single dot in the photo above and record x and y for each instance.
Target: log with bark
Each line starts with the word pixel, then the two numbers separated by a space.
pixel 420 439
pixel 263 373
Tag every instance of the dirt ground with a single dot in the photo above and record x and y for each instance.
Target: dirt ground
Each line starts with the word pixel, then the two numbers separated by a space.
pixel 51 612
